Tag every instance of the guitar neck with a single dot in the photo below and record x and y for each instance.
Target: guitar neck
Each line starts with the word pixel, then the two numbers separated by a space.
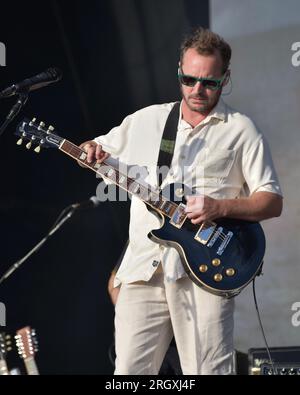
pixel 31 366
pixel 3 368
pixel 146 193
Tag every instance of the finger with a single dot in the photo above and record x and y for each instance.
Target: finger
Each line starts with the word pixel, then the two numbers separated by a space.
pixel 106 156
pixel 190 204
pixel 195 202
pixel 103 156
pixel 85 147
pixel 99 152
pixel 91 154
pixel 194 214
pixel 194 208
pixel 190 199
pixel 199 203
pixel 197 221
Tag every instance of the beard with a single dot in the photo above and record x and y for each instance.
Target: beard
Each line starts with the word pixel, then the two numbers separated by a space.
pixel 205 103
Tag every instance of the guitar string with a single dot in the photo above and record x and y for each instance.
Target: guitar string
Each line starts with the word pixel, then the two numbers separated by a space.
pixel 148 191
pixel 76 151
pixel 158 196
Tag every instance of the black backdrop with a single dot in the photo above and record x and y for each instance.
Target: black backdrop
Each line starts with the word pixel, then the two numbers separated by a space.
pixel 117 56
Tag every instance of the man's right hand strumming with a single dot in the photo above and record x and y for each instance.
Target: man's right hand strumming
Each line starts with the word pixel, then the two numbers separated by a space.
pixel 94 152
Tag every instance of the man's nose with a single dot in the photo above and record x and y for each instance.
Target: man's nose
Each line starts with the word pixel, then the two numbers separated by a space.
pixel 198 87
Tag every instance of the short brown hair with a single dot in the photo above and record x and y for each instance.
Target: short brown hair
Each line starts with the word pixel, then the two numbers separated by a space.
pixel 206 43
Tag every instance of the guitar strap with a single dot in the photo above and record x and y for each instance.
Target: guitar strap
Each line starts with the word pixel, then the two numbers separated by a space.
pixel 167 144
pixel 165 157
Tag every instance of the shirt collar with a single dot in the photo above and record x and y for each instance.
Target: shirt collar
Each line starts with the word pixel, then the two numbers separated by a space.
pixel 219 112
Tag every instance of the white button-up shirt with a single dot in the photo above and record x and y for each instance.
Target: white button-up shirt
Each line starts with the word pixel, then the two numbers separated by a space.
pixel 224 157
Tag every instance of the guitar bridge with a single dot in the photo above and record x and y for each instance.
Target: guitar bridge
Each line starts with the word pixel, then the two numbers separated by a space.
pixel 224 244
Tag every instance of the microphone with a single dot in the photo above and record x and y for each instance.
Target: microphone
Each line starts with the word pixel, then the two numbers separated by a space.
pixel 49 76
pixel 93 202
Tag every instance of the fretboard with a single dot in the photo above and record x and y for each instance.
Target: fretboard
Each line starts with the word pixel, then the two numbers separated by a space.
pixel 144 192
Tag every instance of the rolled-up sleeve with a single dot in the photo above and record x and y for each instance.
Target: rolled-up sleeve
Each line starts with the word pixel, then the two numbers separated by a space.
pixel 116 141
pixel 258 168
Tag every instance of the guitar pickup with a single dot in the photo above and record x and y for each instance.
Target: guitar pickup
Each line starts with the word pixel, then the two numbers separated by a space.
pixel 179 216
pixel 205 233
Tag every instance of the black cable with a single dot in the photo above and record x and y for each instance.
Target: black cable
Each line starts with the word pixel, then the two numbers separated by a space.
pixel 262 329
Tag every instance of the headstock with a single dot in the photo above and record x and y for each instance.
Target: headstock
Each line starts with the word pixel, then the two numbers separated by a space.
pixel 26 342
pixel 5 345
pixel 36 134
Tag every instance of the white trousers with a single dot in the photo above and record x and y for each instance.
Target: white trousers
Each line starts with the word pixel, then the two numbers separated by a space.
pixel 149 313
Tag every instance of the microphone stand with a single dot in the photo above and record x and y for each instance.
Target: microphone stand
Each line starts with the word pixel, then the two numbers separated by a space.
pixel 22 99
pixel 63 217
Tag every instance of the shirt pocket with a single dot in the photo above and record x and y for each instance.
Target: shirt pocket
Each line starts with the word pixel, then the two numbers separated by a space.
pixel 217 163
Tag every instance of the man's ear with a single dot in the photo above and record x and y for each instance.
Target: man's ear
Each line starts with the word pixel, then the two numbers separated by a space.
pixel 227 78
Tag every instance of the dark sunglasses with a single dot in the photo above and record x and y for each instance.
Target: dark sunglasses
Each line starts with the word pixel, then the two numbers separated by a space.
pixel 207 83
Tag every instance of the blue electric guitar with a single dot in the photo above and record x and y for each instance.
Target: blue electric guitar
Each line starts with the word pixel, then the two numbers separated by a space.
pixel 222 256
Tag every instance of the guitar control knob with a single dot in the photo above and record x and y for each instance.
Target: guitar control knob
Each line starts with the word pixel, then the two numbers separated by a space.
pixel 230 272
pixel 218 277
pixel 216 262
pixel 203 268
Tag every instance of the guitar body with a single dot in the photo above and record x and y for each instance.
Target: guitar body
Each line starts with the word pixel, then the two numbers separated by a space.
pixel 224 274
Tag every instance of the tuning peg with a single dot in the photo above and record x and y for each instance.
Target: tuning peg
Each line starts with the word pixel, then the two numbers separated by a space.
pixel 37 149
pixel 32 121
pixel 20 142
pixel 50 129
pixel 28 146
pixel 41 125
